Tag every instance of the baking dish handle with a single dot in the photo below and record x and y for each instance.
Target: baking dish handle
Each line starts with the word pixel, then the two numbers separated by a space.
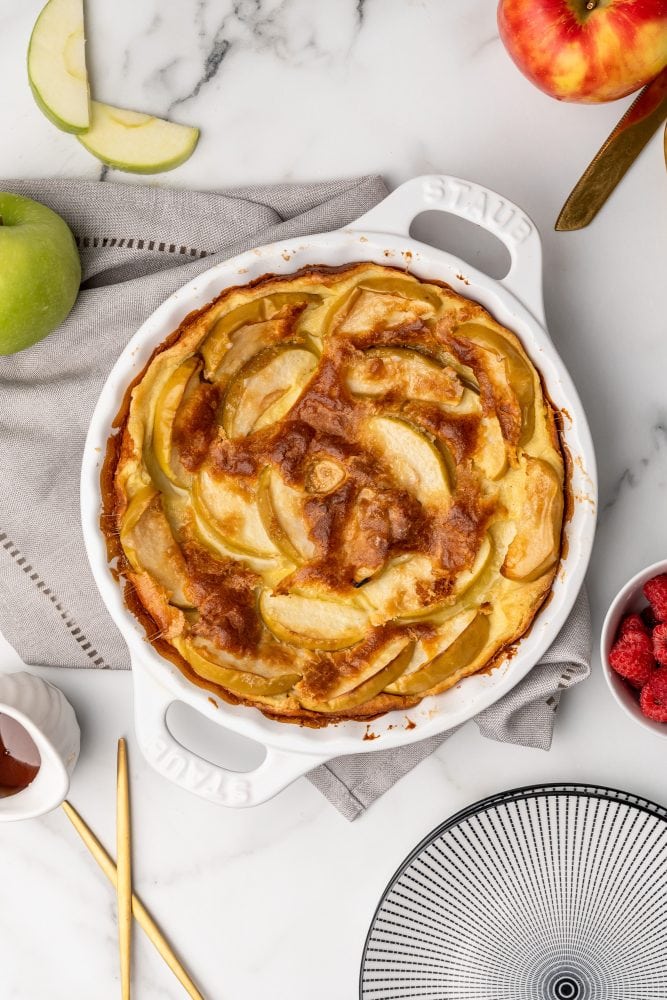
pixel 210 781
pixel 477 204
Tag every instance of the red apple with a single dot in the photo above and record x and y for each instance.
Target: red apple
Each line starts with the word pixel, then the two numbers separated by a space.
pixel 586 50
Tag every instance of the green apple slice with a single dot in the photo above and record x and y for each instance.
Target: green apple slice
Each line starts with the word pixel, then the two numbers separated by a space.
pixel 281 510
pixel 402 370
pixel 57 65
pixel 135 142
pixel 167 405
pixel 458 656
pixel 536 545
pixel 231 514
pixel 265 388
pixel 242 683
pixel 374 685
pixel 415 463
pixel 310 622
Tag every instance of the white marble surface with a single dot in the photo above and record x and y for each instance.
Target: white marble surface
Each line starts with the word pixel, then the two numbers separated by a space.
pixel 276 901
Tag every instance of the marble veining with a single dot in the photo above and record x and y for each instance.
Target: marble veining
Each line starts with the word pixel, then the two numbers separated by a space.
pixel 216 53
pixel 631 477
pixel 276 901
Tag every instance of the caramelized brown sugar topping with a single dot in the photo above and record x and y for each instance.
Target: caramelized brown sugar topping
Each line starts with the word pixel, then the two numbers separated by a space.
pixel 336 492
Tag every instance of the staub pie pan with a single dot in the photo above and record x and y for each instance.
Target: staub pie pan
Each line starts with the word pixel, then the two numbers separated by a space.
pixel 382 236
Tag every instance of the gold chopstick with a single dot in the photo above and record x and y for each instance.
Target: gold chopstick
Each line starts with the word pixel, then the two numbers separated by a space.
pixel 124 870
pixel 141 914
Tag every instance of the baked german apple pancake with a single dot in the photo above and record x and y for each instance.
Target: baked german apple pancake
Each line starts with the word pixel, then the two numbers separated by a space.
pixel 333 493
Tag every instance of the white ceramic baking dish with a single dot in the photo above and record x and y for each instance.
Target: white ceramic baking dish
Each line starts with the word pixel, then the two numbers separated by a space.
pixel 382 235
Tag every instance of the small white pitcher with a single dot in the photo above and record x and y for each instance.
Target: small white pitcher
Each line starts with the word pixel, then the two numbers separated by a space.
pixel 49 719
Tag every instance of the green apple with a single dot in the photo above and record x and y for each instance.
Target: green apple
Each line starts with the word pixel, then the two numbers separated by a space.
pixel 139 143
pixel 57 65
pixel 40 272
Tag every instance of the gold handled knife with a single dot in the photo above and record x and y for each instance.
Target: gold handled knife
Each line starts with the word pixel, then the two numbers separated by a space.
pixel 616 156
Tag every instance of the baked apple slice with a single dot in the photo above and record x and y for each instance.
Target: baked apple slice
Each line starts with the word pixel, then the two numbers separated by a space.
pixel 466 581
pixel 134 512
pixel 283 404
pixel 511 375
pixel 266 387
pixel 384 675
pixel 312 623
pixel 390 301
pixel 240 682
pixel 281 510
pixel 324 475
pixel 536 546
pixel 167 405
pixel 230 513
pixel 461 653
pixel 469 404
pixel 415 462
pixel 405 286
pixel 150 547
pixel 220 342
pixel 406 372
pixel 397 591
pixel 491 454
pixel 250 328
pixel 272 569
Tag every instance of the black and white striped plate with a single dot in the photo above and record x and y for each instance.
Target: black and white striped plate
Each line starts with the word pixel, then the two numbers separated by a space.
pixel 557 892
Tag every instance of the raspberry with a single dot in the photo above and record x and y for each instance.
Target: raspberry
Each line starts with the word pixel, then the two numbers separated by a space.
pixel 660 643
pixel 653 699
pixel 631 623
pixel 655 591
pixel 632 658
pixel 648 617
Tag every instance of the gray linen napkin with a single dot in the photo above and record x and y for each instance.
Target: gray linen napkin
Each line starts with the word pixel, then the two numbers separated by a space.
pixel 138 244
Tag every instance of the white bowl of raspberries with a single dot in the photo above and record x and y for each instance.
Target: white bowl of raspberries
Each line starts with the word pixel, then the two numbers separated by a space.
pixel 634 648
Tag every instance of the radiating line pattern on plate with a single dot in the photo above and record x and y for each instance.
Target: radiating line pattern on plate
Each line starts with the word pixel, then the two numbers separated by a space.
pixel 555 893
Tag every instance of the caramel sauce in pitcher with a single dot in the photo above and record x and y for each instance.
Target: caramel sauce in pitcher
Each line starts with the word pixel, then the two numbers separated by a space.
pixel 19 757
